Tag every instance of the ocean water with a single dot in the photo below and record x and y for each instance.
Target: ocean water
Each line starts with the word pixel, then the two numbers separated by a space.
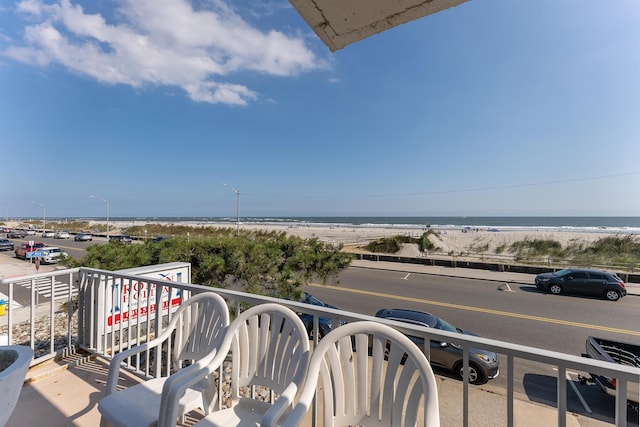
pixel 626 225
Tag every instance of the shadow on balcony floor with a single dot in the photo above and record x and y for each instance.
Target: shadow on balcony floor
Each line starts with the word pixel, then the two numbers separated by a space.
pixel 538 387
pixel 66 392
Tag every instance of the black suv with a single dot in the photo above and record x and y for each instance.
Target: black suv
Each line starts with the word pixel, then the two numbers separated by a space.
pixel 483 364
pixel 582 281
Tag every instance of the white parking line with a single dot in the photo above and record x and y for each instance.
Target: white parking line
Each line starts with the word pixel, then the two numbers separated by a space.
pixel 407 276
pixel 571 382
pixel 508 287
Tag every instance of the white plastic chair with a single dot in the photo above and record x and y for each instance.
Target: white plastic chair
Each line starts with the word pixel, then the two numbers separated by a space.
pixel 270 349
pixel 371 375
pixel 195 331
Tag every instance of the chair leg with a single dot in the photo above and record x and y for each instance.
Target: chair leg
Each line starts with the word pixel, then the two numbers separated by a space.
pixel 210 398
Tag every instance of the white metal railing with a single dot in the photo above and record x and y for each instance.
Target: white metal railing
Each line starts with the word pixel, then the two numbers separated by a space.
pixel 39 312
pixel 94 285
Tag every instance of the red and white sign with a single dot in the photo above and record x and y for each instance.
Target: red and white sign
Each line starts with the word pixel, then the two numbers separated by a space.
pixel 133 300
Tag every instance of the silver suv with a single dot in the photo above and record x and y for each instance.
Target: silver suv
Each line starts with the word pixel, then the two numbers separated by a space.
pixel 121 239
pixel 6 245
pixel 483 364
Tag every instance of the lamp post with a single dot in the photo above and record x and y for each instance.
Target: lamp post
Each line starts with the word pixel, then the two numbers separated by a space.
pixel 237 207
pixel 44 214
pixel 106 202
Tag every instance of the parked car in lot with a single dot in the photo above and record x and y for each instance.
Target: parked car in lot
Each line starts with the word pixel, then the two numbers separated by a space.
pixel 582 281
pixel 6 245
pixel 121 239
pixel 24 248
pixel 51 255
pixel 16 234
pixel 62 235
pixel 83 237
pixel 6 230
pixel 49 233
pixel 483 364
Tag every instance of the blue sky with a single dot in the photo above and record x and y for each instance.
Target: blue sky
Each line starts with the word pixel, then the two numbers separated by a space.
pixel 493 107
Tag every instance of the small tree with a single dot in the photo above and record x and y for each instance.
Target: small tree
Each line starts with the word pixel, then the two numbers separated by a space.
pixel 268 263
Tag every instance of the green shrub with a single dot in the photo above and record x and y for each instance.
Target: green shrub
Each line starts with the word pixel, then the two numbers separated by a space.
pixel 536 247
pixel 393 244
pixel 269 263
pixel 388 245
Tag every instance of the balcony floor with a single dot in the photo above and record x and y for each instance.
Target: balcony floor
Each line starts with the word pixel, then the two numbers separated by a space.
pixel 67 392
pixel 64 393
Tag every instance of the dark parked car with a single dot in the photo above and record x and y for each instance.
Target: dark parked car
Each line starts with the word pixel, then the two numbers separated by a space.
pixel 582 281
pixel 483 364
pixel 16 234
pixel 121 239
pixel 324 323
pixel 6 245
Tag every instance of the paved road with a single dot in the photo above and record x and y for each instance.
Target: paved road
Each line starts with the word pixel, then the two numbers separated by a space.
pixel 498 305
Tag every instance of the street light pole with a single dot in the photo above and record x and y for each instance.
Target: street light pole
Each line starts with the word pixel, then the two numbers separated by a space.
pixel 106 202
pixel 44 215
pixel 237 207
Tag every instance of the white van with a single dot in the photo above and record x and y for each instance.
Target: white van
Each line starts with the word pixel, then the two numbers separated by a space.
pixel 51 255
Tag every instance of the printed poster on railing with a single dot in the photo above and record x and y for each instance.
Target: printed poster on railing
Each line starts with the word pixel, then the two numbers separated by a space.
pixel 133 300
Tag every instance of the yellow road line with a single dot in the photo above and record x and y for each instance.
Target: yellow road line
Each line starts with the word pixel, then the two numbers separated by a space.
pixel 480 310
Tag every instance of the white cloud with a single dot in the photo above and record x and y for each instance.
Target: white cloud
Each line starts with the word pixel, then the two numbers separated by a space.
pixel 161 42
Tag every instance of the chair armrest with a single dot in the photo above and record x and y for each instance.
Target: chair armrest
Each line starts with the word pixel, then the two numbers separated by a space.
pixel 300 409
pixel 172 391
pixel 284 401
pixel 297 415
pixel 176 384
pixel 118 359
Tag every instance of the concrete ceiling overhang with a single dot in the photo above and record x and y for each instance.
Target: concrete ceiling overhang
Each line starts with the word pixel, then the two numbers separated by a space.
pixel 342 22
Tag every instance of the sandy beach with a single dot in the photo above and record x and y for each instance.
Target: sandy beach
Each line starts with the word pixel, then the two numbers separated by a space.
pixel 450 241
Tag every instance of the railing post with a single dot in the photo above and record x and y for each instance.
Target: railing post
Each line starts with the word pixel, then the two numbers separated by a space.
pixel 562 396
pixel 52 314
pixel 510 391
pixel 465 386
pixel 621 402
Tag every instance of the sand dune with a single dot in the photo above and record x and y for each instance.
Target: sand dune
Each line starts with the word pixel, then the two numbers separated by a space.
pixel 447 241
pixel 450 241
